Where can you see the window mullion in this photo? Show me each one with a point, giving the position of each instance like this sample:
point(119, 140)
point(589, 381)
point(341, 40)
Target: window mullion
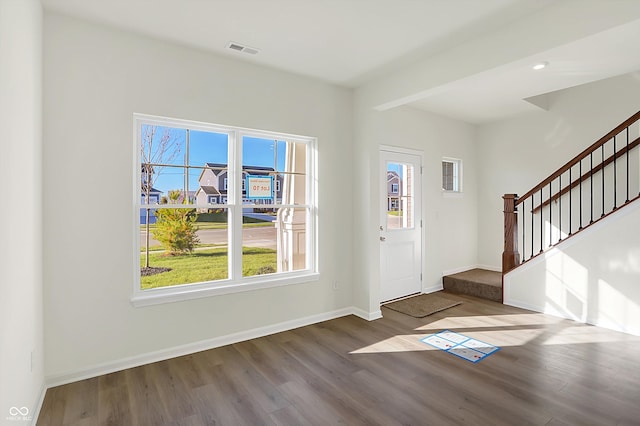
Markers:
point(235, 208)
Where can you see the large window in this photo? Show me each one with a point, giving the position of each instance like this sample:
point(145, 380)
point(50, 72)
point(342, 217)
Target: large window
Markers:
point(221, 209)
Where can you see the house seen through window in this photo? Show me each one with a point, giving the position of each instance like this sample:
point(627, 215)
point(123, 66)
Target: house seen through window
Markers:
point(222, 206)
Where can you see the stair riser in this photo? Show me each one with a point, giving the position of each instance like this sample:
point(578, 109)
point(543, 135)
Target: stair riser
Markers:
point(471, 288)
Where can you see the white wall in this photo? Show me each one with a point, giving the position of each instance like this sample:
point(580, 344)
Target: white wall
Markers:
point(592, 277)
point(517, 154)
point(450, 224)
point(95, 79)
point(21, 327)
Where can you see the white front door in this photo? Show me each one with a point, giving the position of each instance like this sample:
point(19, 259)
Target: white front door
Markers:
point(400, 224)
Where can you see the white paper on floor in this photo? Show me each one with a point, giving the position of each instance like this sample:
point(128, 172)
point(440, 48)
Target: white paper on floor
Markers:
point(460, 345)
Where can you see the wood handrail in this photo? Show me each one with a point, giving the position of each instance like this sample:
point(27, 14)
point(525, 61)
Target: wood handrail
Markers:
point(622, 152)
point(584, 154)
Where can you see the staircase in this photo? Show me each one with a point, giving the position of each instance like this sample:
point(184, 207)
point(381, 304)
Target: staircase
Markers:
point(593, 185)
point(475, 282)
point(596, 183)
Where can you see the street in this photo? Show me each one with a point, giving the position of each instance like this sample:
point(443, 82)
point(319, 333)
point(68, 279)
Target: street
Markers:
point(259, 236)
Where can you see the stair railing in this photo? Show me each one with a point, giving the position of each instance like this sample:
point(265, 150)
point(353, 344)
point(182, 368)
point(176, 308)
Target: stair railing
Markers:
point(594, 184)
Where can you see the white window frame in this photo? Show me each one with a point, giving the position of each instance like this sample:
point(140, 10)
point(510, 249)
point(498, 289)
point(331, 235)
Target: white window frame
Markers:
point(395, 188)
point(457, 176)
point(233, 202)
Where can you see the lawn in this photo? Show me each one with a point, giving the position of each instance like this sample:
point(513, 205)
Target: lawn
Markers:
point(204, 265)
point(218, 220)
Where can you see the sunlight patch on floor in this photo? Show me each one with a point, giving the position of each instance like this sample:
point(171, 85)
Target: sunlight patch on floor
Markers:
point(491, 321)
point(586, 334)
point(398, 343)
point(500, 330)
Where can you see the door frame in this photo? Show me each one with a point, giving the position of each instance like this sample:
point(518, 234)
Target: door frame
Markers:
point(420, 219)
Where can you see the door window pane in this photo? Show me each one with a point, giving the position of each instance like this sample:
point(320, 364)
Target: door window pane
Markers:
point(400, 196)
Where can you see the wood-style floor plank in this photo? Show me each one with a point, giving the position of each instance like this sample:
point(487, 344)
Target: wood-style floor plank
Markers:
point(548, 371)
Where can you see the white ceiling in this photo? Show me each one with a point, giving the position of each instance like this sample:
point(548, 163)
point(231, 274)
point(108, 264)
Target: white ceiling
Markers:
point(360, 42)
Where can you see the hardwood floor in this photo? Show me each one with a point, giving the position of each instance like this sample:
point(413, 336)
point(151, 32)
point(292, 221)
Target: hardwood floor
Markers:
point(349, 371)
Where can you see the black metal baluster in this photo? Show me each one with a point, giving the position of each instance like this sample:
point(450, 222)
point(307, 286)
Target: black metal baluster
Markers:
point(615, 175)
point(550, 217)
point(627, 200)
point(560, 208)
point(580, 170)
point(602, 172)
point(541, 227)
point(524, 247)
point(532, 229)
point(570, 192)
point(591, 179)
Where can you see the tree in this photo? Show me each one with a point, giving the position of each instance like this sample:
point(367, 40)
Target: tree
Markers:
point(158, 147)
point(175, 228)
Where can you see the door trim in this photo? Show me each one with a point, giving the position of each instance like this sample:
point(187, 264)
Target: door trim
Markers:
point(420, 219)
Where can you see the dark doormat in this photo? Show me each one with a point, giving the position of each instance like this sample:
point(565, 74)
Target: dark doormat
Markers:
point(422, 305)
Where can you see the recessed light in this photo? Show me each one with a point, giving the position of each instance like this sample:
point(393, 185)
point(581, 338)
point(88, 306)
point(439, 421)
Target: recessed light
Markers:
point(540, 65)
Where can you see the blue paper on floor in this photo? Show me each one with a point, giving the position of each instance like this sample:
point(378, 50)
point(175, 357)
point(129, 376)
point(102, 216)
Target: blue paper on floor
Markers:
point(460, 345)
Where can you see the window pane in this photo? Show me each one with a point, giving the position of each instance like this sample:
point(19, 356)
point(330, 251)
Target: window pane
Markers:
point(400, 196)
point(284, 161)
point(207, 147)
point(162, 145)
point(170, 234)
point(186, 187)
point(273, 241)
point(447, 176)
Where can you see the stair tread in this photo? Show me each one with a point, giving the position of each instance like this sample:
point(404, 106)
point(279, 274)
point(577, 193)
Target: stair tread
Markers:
point(475, 282)
point(481, 276)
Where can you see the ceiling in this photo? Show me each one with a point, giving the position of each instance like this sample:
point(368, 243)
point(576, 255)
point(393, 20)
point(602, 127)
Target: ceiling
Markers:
point(466, 59)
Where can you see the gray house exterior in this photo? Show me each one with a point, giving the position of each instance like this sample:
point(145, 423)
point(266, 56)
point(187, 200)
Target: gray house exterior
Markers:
point(213, 183)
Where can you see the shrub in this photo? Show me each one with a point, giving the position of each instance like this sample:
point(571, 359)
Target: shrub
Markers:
point(176, 231)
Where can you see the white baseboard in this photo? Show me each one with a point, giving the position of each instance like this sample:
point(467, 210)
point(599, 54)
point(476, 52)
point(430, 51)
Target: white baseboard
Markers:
point(163, 354)
point(36, 412)
point(490, 268)
point(560, 314)
point(432, 289)
point(369, 316)
point(466, 268)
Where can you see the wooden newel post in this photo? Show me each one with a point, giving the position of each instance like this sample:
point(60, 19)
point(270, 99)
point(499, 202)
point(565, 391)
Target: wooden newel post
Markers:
point(510, 255)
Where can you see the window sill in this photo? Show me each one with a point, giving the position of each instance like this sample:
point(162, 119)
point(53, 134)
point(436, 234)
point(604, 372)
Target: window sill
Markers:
point(196, 291)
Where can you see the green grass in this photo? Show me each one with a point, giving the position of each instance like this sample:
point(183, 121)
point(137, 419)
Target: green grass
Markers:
point(394, 213)
point(204, 265)
point(160, 248)
point(218, 220)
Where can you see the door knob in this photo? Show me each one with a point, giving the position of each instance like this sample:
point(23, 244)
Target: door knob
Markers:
point(382, 238)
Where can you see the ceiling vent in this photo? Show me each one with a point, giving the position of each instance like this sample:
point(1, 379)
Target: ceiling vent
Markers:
point(242, 48)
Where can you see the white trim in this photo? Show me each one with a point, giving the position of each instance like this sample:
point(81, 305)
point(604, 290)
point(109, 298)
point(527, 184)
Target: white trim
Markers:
point(234, 181)
point(189, 348)
point(36, 411)
point(433, 288)
point(184, 292)
point(467, 268)
point(457, 175)
point(369, 316)
point(383, 203)
point(564, 314)
point(490, 268)
point(396, 149)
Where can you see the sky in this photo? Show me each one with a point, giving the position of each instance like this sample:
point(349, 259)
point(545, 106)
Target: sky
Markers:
point(207, 147)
